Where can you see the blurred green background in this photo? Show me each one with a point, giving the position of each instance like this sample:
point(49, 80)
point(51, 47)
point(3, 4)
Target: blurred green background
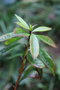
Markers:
point(40, 12)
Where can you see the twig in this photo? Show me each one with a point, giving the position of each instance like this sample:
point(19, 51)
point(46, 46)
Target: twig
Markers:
point(21, 69)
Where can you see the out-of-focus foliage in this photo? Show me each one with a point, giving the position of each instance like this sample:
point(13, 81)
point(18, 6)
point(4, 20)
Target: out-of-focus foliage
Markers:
point(41, 12)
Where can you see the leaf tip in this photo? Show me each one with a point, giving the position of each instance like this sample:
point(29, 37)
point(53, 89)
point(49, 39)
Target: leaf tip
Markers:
point(15, 15)
point(54, 45)
point(49, 28)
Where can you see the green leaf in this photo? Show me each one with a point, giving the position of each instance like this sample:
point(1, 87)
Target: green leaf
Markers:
point(31, 27)
point(47, 40)
point(13, 56)
point(34, 46)
point(19, 30)
point(36, 62)
point(12, 35)
point(47, 60)
point(7, 36)
point(21, 22)
point(27, 71)
point(41, 29)
point(22, 35)
point(12, 40)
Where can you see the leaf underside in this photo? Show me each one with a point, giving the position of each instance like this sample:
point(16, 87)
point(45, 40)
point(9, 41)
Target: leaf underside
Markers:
point(36, 62)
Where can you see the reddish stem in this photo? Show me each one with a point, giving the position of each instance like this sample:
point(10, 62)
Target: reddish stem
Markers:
point(21, 69)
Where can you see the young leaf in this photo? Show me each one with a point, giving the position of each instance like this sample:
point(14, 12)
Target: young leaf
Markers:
point(45, 58)
point(41, 29)
point(21, 25)
point(34, 46)
point(47, 40)
point(22, 22)
point(36, 62)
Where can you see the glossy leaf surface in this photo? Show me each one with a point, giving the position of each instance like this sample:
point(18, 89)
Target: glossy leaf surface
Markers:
point(22, 22)
point(41, 29)
point(47, 40)
point(7, 36)
point(34, 46)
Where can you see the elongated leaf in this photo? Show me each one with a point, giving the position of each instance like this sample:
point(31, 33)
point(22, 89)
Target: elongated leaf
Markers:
point(47, 40)
point(13, 56)
point(11, 35)
point(19, 30)
point(12, 40)
point(7, 36)
point(22, 22)
point(22, 26)
point(45, 58)
point(41, 29)
point(27, 71)
point(34, 46)
point(36, 62)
